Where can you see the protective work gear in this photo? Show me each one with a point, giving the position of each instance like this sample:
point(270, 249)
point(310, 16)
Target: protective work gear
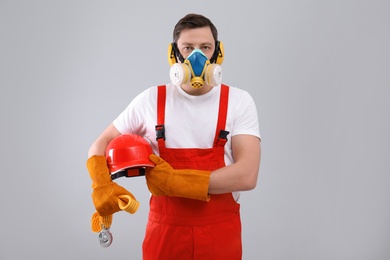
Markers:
point(128, 151)
point(108, 197)
point(196, 70)
point(182, 228)
point(163, 180)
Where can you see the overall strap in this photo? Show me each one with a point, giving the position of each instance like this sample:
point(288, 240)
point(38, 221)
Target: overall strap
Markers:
point(221, 134)
point(160, 129)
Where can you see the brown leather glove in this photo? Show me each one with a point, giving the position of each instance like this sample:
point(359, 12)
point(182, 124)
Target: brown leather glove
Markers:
point(163, 180)
point(97, 222)
point(108, 197)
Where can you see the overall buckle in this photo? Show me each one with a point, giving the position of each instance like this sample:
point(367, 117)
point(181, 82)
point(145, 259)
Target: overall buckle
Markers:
point(160, 132)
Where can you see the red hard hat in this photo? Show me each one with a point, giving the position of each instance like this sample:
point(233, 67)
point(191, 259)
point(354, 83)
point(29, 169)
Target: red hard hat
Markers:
point(128, 151)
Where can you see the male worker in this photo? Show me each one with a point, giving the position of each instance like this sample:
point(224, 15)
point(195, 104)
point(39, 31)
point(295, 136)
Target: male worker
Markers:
point(206, 142)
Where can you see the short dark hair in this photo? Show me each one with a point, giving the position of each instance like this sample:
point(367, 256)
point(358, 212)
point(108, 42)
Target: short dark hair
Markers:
point(192, 21)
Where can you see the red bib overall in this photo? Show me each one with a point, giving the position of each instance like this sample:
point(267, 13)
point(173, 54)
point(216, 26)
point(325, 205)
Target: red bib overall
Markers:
point(181, 228)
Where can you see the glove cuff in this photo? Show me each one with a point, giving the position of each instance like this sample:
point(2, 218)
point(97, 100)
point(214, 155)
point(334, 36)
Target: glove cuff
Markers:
point(98, 170)
point(192, 184)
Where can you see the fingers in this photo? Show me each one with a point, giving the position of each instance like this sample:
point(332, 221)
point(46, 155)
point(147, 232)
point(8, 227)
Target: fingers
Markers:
point(155, 159)
point(97, 221)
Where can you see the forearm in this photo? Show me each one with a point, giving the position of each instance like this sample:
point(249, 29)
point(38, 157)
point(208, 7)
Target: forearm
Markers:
point(233, 178)
point(99, 146)
point(242, 174)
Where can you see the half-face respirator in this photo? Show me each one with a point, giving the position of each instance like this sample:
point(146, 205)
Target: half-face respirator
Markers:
point(196, 69)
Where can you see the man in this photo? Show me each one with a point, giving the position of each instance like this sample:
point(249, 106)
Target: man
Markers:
point(206, 141)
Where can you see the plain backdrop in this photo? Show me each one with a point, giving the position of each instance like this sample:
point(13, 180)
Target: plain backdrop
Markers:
point(319, 72)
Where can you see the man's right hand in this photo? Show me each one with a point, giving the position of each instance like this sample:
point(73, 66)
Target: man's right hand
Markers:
point(108, 197)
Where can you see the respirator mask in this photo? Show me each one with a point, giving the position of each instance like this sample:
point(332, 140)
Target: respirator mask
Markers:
point(196, 69)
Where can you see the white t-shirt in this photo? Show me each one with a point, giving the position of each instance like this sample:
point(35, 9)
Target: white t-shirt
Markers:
point(190, 121)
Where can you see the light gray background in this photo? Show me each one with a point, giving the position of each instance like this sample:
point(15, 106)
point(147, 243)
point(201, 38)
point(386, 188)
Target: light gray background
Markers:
point(319, 72)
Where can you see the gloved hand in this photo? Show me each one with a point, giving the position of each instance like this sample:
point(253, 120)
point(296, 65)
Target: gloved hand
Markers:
point(97, 222)
point(108, 197)
point(163, 180)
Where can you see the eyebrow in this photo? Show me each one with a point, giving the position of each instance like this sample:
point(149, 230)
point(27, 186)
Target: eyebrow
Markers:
point(202, 44)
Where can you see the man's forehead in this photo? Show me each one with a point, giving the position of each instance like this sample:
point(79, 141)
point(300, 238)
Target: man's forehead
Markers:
point(196, 35)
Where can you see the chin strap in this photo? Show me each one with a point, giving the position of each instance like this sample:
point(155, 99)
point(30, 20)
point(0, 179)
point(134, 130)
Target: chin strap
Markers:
point(128, 173)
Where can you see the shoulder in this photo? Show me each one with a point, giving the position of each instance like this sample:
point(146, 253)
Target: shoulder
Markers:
point(148, 95)
point(169, 88)
point(238, 95)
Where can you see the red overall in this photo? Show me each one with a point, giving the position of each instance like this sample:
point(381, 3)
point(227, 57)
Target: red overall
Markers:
point(181, 228)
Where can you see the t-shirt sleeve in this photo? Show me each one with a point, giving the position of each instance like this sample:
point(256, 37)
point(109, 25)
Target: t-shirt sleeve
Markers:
point(132, 119)
point(245, 117)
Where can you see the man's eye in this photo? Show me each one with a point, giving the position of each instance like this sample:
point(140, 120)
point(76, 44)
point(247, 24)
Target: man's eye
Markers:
point(206, 48)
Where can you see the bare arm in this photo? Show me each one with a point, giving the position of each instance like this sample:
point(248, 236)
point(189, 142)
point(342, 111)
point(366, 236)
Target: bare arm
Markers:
point(242, 174)
point(99, 146)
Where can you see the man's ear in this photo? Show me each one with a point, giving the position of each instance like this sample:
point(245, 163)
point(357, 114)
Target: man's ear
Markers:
point(174, 54)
